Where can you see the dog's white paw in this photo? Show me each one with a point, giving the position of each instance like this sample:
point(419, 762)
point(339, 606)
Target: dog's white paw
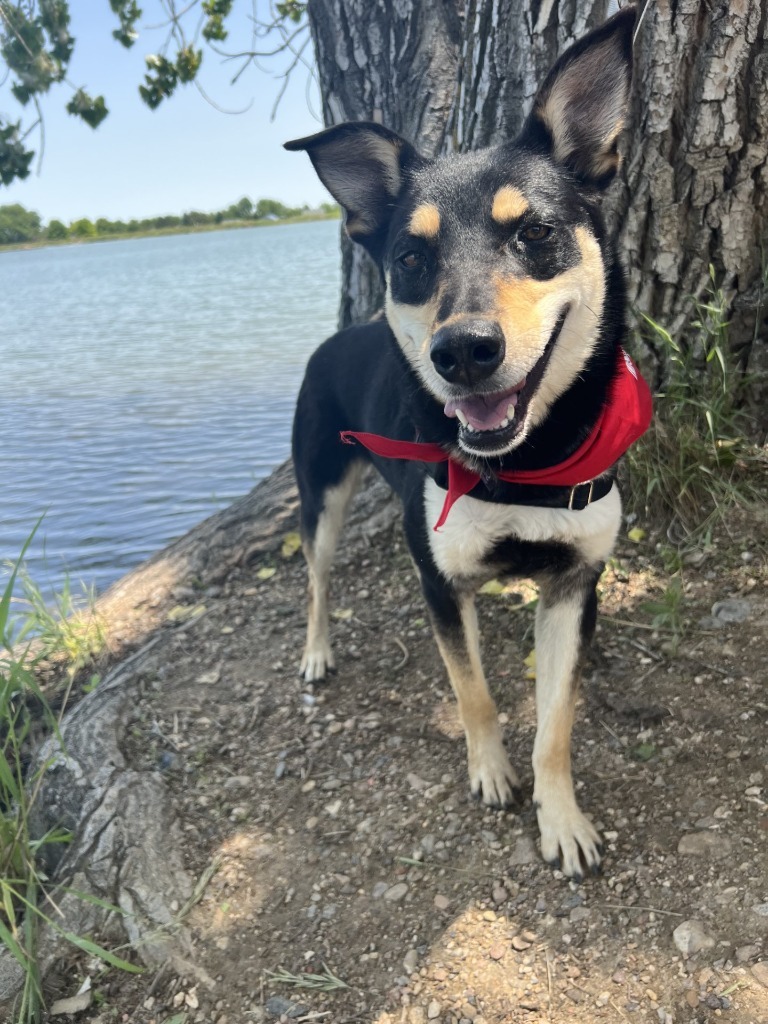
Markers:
point(569, 840)
point(316, 663)
point(492, 778)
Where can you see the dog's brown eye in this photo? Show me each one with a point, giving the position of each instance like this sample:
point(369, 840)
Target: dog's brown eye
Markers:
point(412, 260)
point(535, 232)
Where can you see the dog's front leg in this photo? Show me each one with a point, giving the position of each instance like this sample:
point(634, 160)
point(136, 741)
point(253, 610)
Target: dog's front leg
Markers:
point(565, 619)
point(492, 778)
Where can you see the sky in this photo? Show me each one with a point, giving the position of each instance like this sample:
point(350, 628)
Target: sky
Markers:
point(184, 155)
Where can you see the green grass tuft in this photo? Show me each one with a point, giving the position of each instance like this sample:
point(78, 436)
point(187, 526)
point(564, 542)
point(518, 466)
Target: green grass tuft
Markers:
point(696, 463)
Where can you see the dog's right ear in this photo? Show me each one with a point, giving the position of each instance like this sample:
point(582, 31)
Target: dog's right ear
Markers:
point(362, 165)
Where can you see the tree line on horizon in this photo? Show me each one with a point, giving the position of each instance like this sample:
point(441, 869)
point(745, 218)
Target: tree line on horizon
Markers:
point(19, 225)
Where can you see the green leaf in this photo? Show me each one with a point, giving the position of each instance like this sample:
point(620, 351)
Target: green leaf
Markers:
point(103, 954)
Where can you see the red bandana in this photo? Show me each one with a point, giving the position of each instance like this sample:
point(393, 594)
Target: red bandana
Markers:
point(625, 417)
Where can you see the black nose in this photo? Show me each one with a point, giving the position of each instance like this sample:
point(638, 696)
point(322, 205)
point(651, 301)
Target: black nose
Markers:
point(467, 352)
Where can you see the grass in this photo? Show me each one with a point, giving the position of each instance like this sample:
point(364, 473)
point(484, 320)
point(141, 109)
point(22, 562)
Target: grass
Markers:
point(27, 899)
point(696, 462)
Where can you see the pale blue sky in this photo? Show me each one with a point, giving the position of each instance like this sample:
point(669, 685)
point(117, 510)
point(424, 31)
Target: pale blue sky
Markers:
point(184, 155)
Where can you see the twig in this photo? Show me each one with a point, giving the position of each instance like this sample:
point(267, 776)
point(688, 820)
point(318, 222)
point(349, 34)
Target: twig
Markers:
point(636, 906)
point(406, 655)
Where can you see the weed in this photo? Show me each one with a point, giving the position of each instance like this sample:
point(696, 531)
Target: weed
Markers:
point(325, 982)
point(26, 901)
point(63, 629)
point(667, 610)
point(696, 462)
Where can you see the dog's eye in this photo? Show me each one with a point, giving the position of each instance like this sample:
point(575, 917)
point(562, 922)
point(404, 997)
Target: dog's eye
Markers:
point(412, 260)
point(535, 232)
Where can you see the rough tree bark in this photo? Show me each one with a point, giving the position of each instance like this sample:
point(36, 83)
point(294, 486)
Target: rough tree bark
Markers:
point(460, 74)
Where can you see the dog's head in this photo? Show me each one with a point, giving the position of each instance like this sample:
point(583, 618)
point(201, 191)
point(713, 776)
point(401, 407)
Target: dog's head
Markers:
point(494, 261)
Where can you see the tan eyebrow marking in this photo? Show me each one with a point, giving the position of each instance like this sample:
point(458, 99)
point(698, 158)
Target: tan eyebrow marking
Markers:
point(509, 203)
point(425, 221)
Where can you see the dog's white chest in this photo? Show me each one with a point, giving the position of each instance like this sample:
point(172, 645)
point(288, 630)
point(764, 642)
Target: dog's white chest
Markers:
point(474, 527)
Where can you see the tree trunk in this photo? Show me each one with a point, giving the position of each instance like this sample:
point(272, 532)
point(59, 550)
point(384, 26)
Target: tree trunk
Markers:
point(695, 183)
point(461, 74)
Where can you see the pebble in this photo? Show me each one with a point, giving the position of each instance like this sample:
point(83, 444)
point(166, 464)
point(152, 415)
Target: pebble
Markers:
point(279, 1007)
point(499, 894)
point(441, 902)
point(705, 844)
point(519, 943)
point(761, 909)
point(410, 960)
point(433, 1010)
point(690, 938)
point(745, 953)
point(760, 972)
point(733, 609)
point(416, 1015)
point(497, 951)
point(379, 889)
point(524, 852)
point(396, 892)
point(238, 782)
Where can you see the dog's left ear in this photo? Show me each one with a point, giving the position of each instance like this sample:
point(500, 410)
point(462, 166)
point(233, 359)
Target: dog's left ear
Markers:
point(579, 111)
point(362, 164)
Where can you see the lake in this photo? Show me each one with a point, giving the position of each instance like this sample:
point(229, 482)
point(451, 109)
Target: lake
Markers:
point(147, 383)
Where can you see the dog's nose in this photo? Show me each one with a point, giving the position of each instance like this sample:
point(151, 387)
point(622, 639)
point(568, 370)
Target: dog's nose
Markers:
point(467, 352)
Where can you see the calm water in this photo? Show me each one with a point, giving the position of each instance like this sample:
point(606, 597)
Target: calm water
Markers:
point(146, 383)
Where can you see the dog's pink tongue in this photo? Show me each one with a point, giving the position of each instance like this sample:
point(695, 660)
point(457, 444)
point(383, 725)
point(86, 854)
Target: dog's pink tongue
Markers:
point(483, 412)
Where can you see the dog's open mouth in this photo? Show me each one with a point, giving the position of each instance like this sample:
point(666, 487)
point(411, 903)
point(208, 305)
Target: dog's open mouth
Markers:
point(487, 422)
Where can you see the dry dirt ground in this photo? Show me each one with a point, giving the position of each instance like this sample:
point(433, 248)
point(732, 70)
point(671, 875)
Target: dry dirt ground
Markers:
point(338, 821)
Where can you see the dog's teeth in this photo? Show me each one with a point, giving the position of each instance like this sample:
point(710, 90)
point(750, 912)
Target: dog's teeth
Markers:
point(462, 419)
point(504, 423)
point(511, 411)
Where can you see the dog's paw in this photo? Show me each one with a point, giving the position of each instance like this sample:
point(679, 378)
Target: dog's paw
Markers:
point(492, 778)
point(569, 840)
point(316, 663)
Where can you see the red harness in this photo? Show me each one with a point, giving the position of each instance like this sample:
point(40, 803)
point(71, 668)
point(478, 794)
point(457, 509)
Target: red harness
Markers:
point(625, 416)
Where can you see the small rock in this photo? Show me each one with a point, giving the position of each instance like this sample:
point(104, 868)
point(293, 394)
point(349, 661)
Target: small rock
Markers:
point(761, 909)
point(745, 953)
point(733, 609)
point(497, 951)
point(433, 1010)
point(417, 783)
point(410, 960)
point(760, 972)
point(416, 1015)
point(499, 894)
point(519, 943)
point(441, 902)
point(705, 844)
point(396, 892)
point(690, 938)
point(379, 889)
point(524, 852)
point(279, 1007)
point(238, 782)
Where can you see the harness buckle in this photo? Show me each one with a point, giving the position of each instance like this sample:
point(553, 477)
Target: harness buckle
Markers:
point(572, 496)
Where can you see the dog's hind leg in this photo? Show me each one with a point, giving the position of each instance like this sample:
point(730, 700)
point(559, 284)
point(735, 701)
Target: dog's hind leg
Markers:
point(492, 778)
point(565, 620)
point(320, 534)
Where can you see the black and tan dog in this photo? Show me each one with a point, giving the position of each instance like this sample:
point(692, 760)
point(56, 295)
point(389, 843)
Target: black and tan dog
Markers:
point(495, 397)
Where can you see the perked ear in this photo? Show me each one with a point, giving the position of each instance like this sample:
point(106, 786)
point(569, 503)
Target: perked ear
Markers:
point(362, 165)
point(579, 111)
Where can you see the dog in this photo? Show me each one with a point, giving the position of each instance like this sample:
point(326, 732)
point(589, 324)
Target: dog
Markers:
point(494, 396)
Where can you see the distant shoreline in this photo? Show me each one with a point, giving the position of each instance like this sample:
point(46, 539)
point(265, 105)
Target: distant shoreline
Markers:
point(182, 229)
